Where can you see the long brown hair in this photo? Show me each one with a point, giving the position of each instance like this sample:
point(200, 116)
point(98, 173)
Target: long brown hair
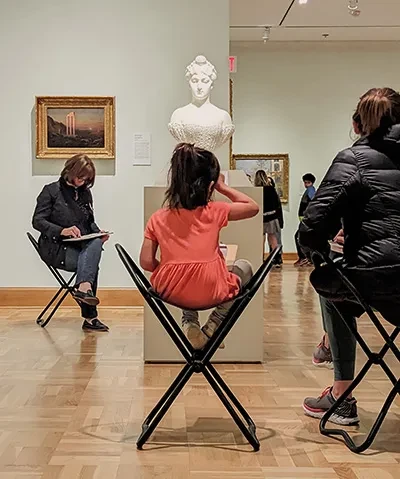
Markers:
point(79, 166)
point(262, 179)
point(377, 110)
point(191, 176)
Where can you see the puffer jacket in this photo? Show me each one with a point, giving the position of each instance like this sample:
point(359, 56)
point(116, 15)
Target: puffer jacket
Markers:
point(362, 188)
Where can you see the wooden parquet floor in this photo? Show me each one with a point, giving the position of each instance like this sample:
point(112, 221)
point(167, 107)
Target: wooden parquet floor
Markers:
point(71, 404)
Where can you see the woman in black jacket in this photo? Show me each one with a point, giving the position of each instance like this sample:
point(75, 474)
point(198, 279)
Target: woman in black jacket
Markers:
point(361, 188)
point(272, 210)
point(64, 210)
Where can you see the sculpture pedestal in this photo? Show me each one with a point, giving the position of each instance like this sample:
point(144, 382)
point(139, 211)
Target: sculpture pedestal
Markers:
point(245, 342)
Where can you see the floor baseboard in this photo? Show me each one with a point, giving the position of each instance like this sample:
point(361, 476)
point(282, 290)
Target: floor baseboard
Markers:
point(39, 297)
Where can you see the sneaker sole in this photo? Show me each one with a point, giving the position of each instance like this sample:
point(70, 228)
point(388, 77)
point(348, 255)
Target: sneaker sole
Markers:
point(335, 419)
point(324, 364)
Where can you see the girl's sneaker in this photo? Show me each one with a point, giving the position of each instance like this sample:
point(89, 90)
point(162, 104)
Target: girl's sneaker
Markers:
point(345, 415)
point(195, 335)
point(209, 330)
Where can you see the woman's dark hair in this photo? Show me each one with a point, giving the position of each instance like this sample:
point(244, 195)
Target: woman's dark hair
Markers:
point(79, 166)
point(192, 172)
point(378, 109)
point(309, 177)
point(261, 179)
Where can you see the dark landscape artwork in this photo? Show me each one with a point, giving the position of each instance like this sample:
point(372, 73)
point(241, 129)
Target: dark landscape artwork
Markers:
point(75, 128)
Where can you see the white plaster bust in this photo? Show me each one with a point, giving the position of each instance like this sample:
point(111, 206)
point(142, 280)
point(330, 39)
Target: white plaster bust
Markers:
point(200, 122)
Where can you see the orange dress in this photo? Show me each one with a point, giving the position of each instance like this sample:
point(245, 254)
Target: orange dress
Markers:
point(192, 271)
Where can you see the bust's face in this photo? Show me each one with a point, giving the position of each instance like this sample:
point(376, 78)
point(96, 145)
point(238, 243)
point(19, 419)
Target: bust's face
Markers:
point(201, 86)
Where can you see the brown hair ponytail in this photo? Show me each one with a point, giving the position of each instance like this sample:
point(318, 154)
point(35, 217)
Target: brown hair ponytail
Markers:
point(191, 173)
point(378, 109)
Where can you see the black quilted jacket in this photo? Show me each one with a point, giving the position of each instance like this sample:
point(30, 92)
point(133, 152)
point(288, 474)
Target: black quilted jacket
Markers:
point(55, 211)
point(362, 188)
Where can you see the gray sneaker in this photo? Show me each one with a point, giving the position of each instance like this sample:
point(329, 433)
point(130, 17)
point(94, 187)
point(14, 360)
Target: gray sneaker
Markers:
point(322, 356)
point(345, 415)
point(195, 335)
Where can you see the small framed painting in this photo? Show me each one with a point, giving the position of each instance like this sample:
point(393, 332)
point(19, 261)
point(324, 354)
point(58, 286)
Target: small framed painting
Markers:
point(66, 126)
point(276, 166)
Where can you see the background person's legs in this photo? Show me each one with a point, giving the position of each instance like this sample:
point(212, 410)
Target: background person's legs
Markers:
point(278, 260)
point(301, 256)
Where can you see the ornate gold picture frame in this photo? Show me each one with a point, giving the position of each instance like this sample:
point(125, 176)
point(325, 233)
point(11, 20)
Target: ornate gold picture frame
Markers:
point(276, 166)
point(68, 125)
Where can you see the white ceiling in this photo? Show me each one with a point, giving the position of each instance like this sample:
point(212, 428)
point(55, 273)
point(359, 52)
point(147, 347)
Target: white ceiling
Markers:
point(379, 20)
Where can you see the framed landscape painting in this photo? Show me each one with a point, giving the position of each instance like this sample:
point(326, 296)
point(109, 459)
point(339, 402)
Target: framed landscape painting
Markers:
point(66, 126)
point(276, 166)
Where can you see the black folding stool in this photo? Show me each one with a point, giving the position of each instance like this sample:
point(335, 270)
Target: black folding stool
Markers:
point(197, 361)
point(373, 359)
point(65, 289)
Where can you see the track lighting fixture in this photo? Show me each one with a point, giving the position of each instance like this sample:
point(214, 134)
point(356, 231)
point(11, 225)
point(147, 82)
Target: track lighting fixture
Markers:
point(266, 35)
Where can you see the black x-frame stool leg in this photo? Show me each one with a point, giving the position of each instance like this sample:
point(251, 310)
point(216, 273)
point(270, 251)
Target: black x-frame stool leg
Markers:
point(66, 287)
point(373, 359)
point(198, 362)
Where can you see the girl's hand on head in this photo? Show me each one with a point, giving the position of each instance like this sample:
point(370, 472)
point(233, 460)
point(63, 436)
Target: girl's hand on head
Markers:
point(220, 183)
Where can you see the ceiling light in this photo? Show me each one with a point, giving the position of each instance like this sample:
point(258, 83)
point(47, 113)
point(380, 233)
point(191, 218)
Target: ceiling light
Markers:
point(266, 35)
point(302, 2)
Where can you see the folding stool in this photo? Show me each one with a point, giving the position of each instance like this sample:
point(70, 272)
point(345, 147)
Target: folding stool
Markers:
point(374, 358)
point(66, 287)
point(198, 361)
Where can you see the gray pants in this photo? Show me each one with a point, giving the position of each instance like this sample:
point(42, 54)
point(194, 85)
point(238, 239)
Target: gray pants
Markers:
point(341, 340)
point(244, 271)
point(85, 261)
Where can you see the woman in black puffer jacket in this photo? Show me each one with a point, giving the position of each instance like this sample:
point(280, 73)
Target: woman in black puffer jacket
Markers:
point(361, 188)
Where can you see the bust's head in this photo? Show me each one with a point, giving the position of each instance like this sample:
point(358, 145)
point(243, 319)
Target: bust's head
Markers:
point(201, 75)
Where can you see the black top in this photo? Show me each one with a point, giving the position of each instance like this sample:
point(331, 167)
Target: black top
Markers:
point(304, 202)
point(272, 204)
point(362, 187)
point(60, 206)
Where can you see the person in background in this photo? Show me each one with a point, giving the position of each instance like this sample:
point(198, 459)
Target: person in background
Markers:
point(64, 209)
point(278, 260)
point(192, 272)
point(272, 210)
point(361, 189)
point(308, 180)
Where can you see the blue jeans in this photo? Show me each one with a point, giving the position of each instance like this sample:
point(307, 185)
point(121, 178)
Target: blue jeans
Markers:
point(85, 260)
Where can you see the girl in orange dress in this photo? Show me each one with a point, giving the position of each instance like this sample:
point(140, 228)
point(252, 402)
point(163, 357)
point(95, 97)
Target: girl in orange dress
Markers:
point(192, 272)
